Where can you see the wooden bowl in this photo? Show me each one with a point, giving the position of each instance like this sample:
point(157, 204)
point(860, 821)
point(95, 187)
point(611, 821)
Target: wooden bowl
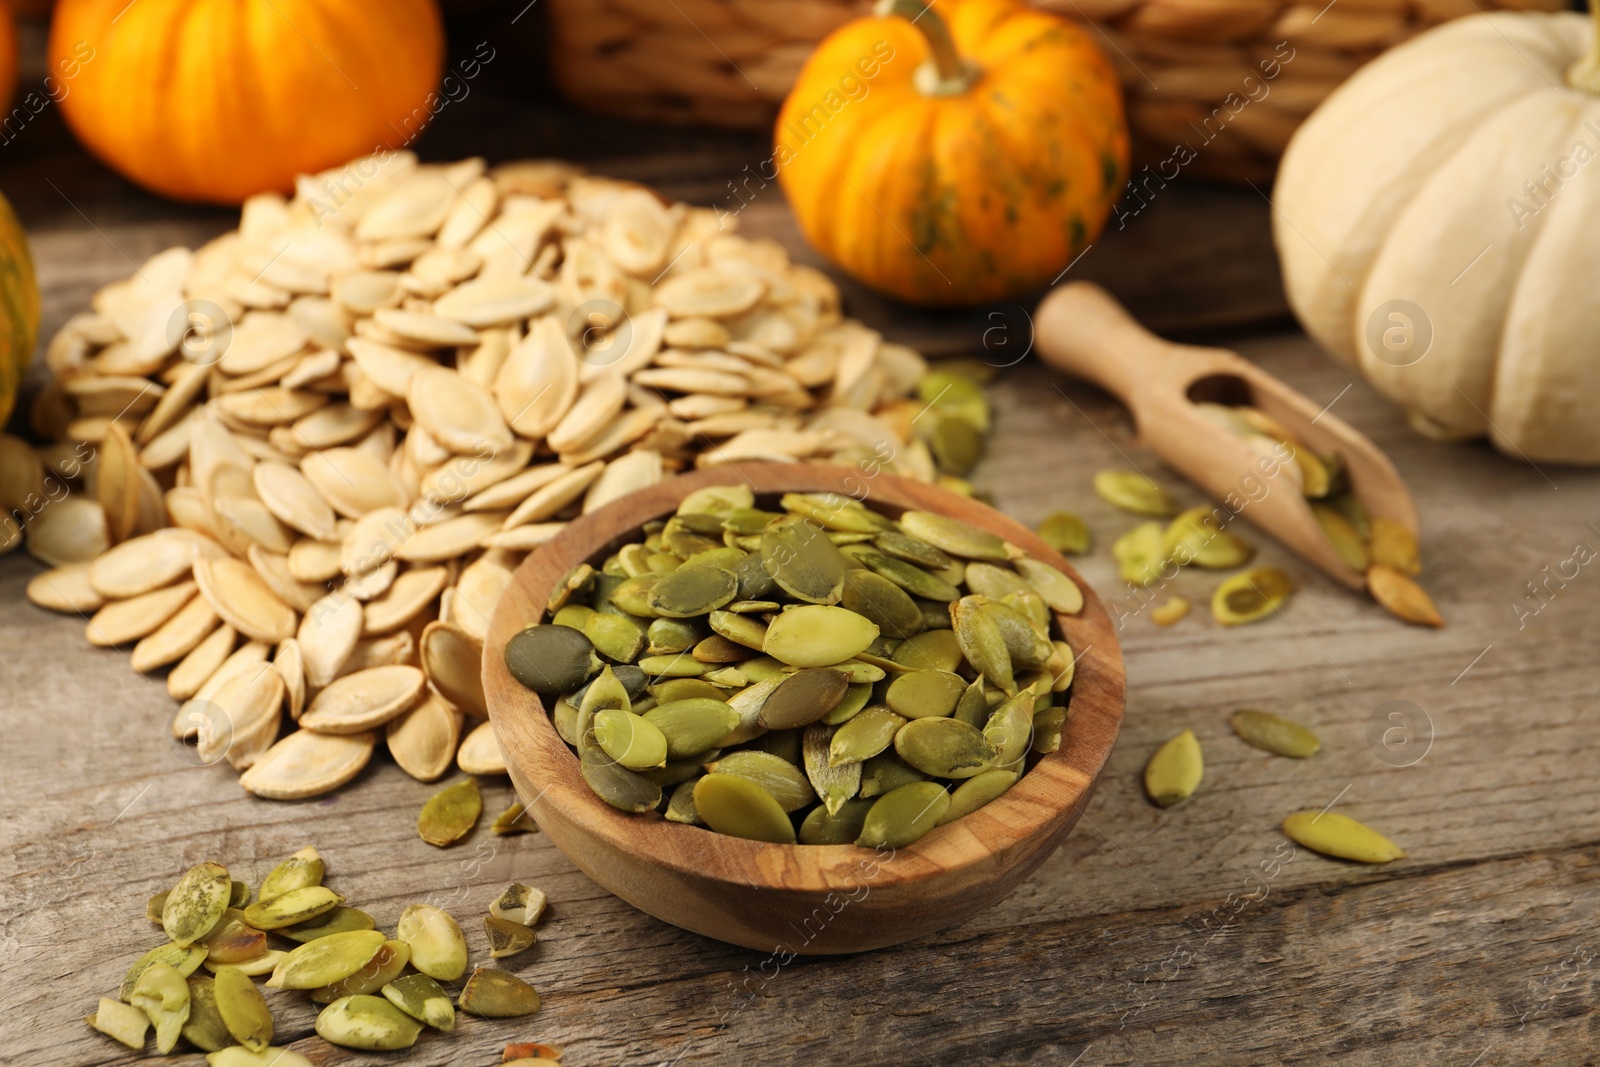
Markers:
point(799, 899)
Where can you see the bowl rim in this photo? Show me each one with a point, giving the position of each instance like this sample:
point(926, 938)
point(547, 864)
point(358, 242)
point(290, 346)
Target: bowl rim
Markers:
point(1047, 797)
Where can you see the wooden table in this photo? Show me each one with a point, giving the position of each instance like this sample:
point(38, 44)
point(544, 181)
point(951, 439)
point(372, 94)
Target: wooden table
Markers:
point(1195, 935)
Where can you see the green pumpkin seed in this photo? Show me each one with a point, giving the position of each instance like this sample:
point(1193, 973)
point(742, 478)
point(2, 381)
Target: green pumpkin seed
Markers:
point(691, 591)
point(292, 907)
point(858, 671)
point(680, 805)
point(1197, 537)
point(1066, 533)
point(678, 771)
point(903, 815)
point(885, 773)
point(748, 522)
point(834, 512)
point(233, 940)
point(756, 586)
point(630, 739)
point(368, 1023)
point(834, 785)
point(910, 577)
point(954, 537)
point(449, 815)
point(424, 1000)
point(185, 959)
point(1354, 510)
point(1032, 607)
point(1268, 732)
point(882, 602)
point(784, 781)
point(1010, 729)
point(956, 444)
point(327, 960)
point(1352, 548)
point(573, 616)
point(911, 549)
point(982, 643)
point(336, 920)
point(864, 736)
point(718, 650)
point(692, 726)
point(1132, 491)
point(271, 1056)
point(565, 718)
point(803, 698)
point(574, 583)
point(815, 635)
point(633, 595)
point(1393, 545)
point(263, 964)
point(1340, 836)
point(977, 791)
point(520, 904)
point(856, 696)
point(741, 808)
point(727, 678)
point(204, 1028)
point(802, 561)
point(1047, 726)
point(994, 582)
point(551, 659)
point(243, 1009)
point(163, 995)
point(438, 948)
point(1026, 646)
point(761, 668)
point(729, 559)
point(944, 748)
point(973, 707)
point(841, 827)
point(921, 694)
point(935, 615)
point(1059, 591)
point(121, 1022)
point(741, 629)
point(785, 744)
point(506, 938)
point(717, 500)
point(155, 905)
point(1174, 771)
point(496, 994)
point(616, 637)
point(514, 820)
point(680, 666)
point(1140, 554)
point(667, 637)
point(1251, 596)
point(238, 895)
point(617, 786)
point(934, 650)
point(195, 904)
point(384, 967)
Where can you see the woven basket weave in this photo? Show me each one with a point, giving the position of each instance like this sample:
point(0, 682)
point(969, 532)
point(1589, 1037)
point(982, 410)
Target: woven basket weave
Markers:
point(1229, 79)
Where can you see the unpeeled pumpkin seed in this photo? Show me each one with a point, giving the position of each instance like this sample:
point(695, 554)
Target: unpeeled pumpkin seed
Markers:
point(367, 1022)
point(450, 814)
point(903, 815)
point(1340, 836)
point(739, 807)
point(424, 1000)
point(1402, 597)
point(506, 938)
point(496, 994)
point(244, 1011)
point(438, 948)
point(1270, 733)
point(1174, 771)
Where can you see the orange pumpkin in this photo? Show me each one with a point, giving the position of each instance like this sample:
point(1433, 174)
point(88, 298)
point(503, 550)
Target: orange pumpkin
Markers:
point(220, 99)
point(953, 162)
point(19, 308)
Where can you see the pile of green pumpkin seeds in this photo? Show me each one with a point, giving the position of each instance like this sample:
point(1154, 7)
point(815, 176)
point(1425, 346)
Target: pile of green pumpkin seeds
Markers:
point(809, 670)
point(339, 958)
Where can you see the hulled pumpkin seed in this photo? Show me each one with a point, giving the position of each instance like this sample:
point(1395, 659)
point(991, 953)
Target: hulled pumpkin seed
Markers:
point(680, 805)
point(336, 920)
point(263, 964)
point(1270, 733)
point(741, 808)
point(803, 698)
point(842, 827)
point(1174, 771)
point(911, 549)
point(982, 643)
point(1251, 596)
point(1010, 729)
point(506, 938)
point(291, 907)
point(520, 904)
point(785, 782)
point(1140, 554)
point(514, 820)
point(204, 1028)
point(921, 694)
point(993, 581)
point(195, 904)
point(934, 650)
point(834, 512)
point(163, 995)
point(449, 815)
point(551, 659)
point(633, 741)
point(616, 785)
point(496, 994)
point(233, 940)
point(616, 637)
point(946, 748)
point(855, 698)
point(1170, 612)
point(882, 602)
point(815, 635)
point(326, 960)
point(802, 561)
point(121, 1022)
point(271, 1056)
point(384, 967)
point(692, 726)
point(424, 1000)
point(910, 577)
point(1394, 545)
point(1402, 597)
point(691, 591)
point(1340, 836)
point(1197, 536)
point(438, 948)
point(864, 736)
point(367, 1022)
point(977, 791)
point(954, 537)
point(903, 815)
point(885, 773)
point(1058, 591)
point(1132, 491)
point(1047, 726)
point(1065, 532)
point(1350, 545)
point(185, 959)
point(243, 1009)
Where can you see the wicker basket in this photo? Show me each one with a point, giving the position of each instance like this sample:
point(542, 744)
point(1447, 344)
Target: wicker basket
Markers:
point(1196, 71)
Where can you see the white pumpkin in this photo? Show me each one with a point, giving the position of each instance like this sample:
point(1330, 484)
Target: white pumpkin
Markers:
point(1438, 222)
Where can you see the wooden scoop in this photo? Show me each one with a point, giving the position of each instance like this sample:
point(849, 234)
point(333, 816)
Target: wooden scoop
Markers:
point(1080, 329)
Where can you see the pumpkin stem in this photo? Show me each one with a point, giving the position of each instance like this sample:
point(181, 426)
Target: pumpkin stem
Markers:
point(1585, 73)
point(948, 74)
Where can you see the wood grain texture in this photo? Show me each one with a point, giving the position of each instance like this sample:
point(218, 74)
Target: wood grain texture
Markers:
point(799, 899)
point(1149, 937)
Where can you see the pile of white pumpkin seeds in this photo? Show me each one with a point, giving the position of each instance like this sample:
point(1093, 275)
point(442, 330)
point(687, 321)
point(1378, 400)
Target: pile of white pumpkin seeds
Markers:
point(380, 993)
point(296, 467)
point(807, 670)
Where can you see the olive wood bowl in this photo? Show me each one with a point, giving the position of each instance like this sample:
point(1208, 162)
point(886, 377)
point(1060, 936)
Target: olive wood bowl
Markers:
point(799, 899)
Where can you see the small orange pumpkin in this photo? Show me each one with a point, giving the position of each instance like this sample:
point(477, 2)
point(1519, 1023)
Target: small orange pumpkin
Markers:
point(219, 99)
point(953, 162)
point(19, 309)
